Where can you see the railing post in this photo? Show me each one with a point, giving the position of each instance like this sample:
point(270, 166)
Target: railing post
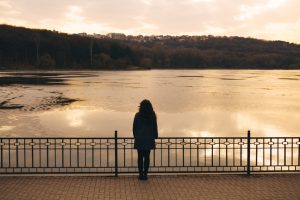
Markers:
point(116, 153)
point(248, 153)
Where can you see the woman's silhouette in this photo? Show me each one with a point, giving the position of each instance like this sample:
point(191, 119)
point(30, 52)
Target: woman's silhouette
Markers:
point(144, 132)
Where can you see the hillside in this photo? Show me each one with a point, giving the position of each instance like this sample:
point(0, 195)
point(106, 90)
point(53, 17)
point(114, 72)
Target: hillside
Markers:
point(23, 48)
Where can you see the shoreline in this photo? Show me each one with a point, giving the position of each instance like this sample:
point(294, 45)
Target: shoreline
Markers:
point(145, 69)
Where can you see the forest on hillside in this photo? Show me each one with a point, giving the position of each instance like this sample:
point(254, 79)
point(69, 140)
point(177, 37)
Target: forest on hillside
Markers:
point(23, 48)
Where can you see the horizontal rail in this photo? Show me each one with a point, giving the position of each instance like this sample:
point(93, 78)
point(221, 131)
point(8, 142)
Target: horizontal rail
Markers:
point(132, 137)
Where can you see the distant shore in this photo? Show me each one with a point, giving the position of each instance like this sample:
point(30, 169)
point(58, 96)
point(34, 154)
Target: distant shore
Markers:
point(31, 49)
point(134, 69)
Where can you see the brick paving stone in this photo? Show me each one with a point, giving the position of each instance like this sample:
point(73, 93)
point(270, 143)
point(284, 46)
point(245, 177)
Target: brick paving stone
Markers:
point(158, 187)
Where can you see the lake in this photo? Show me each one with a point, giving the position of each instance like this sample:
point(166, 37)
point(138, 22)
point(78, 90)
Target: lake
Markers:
point(200, 103)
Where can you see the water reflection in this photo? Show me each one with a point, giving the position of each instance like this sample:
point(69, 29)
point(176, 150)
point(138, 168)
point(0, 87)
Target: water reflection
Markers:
point(100, 122)
point(187, 102)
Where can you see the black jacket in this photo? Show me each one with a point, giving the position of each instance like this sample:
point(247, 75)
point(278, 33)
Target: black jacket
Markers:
point(144, 132)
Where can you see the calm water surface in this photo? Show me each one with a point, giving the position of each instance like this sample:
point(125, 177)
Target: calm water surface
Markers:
point(187, 102)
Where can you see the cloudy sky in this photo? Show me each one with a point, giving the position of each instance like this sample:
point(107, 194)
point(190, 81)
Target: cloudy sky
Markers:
point(265, 19)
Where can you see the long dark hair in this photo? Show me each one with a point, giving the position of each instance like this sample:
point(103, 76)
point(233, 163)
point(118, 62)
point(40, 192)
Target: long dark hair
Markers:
point(146, 110)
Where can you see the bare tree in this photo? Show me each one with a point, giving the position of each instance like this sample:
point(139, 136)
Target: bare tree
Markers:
point(91, 50)
point(37, 41)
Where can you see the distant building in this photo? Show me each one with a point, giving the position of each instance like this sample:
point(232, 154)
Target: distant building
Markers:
point(82, 34)
point(117, 36)
point(99, 36)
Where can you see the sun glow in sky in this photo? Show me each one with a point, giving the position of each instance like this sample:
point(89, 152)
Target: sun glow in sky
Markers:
point(265, 19)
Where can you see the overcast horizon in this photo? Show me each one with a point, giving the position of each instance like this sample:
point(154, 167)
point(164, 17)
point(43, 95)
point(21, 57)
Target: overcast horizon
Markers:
point(264, 19)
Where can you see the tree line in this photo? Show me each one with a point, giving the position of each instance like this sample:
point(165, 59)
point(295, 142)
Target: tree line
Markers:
point(23, 48)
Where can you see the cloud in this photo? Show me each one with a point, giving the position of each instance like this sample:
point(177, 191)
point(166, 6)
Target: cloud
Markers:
point(147, 2)
point(200, 1)
point(5, 4)
point(266, 19)
point(74, 13)
point(248, 12)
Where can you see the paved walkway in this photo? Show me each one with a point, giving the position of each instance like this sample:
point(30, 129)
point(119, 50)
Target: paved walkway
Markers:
point(285, 186)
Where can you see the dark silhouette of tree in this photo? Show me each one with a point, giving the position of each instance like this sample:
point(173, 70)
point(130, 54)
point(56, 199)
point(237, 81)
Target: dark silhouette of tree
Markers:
point(37, 46)
point(47, 61)
point(22, 48)
point(91, 50)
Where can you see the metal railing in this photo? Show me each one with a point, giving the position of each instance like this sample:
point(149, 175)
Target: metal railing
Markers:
point(116, 155)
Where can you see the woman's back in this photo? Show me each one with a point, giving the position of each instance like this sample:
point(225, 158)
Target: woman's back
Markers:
point(144, 127)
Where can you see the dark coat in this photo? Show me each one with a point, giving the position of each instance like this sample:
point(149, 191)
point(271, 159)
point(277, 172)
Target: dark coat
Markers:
point(144, 132)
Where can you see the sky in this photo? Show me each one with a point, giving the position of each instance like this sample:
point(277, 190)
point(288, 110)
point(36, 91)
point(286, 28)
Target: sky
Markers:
point(263, 19)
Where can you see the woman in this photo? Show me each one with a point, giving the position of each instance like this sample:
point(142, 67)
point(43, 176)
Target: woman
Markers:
point(144, 132)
